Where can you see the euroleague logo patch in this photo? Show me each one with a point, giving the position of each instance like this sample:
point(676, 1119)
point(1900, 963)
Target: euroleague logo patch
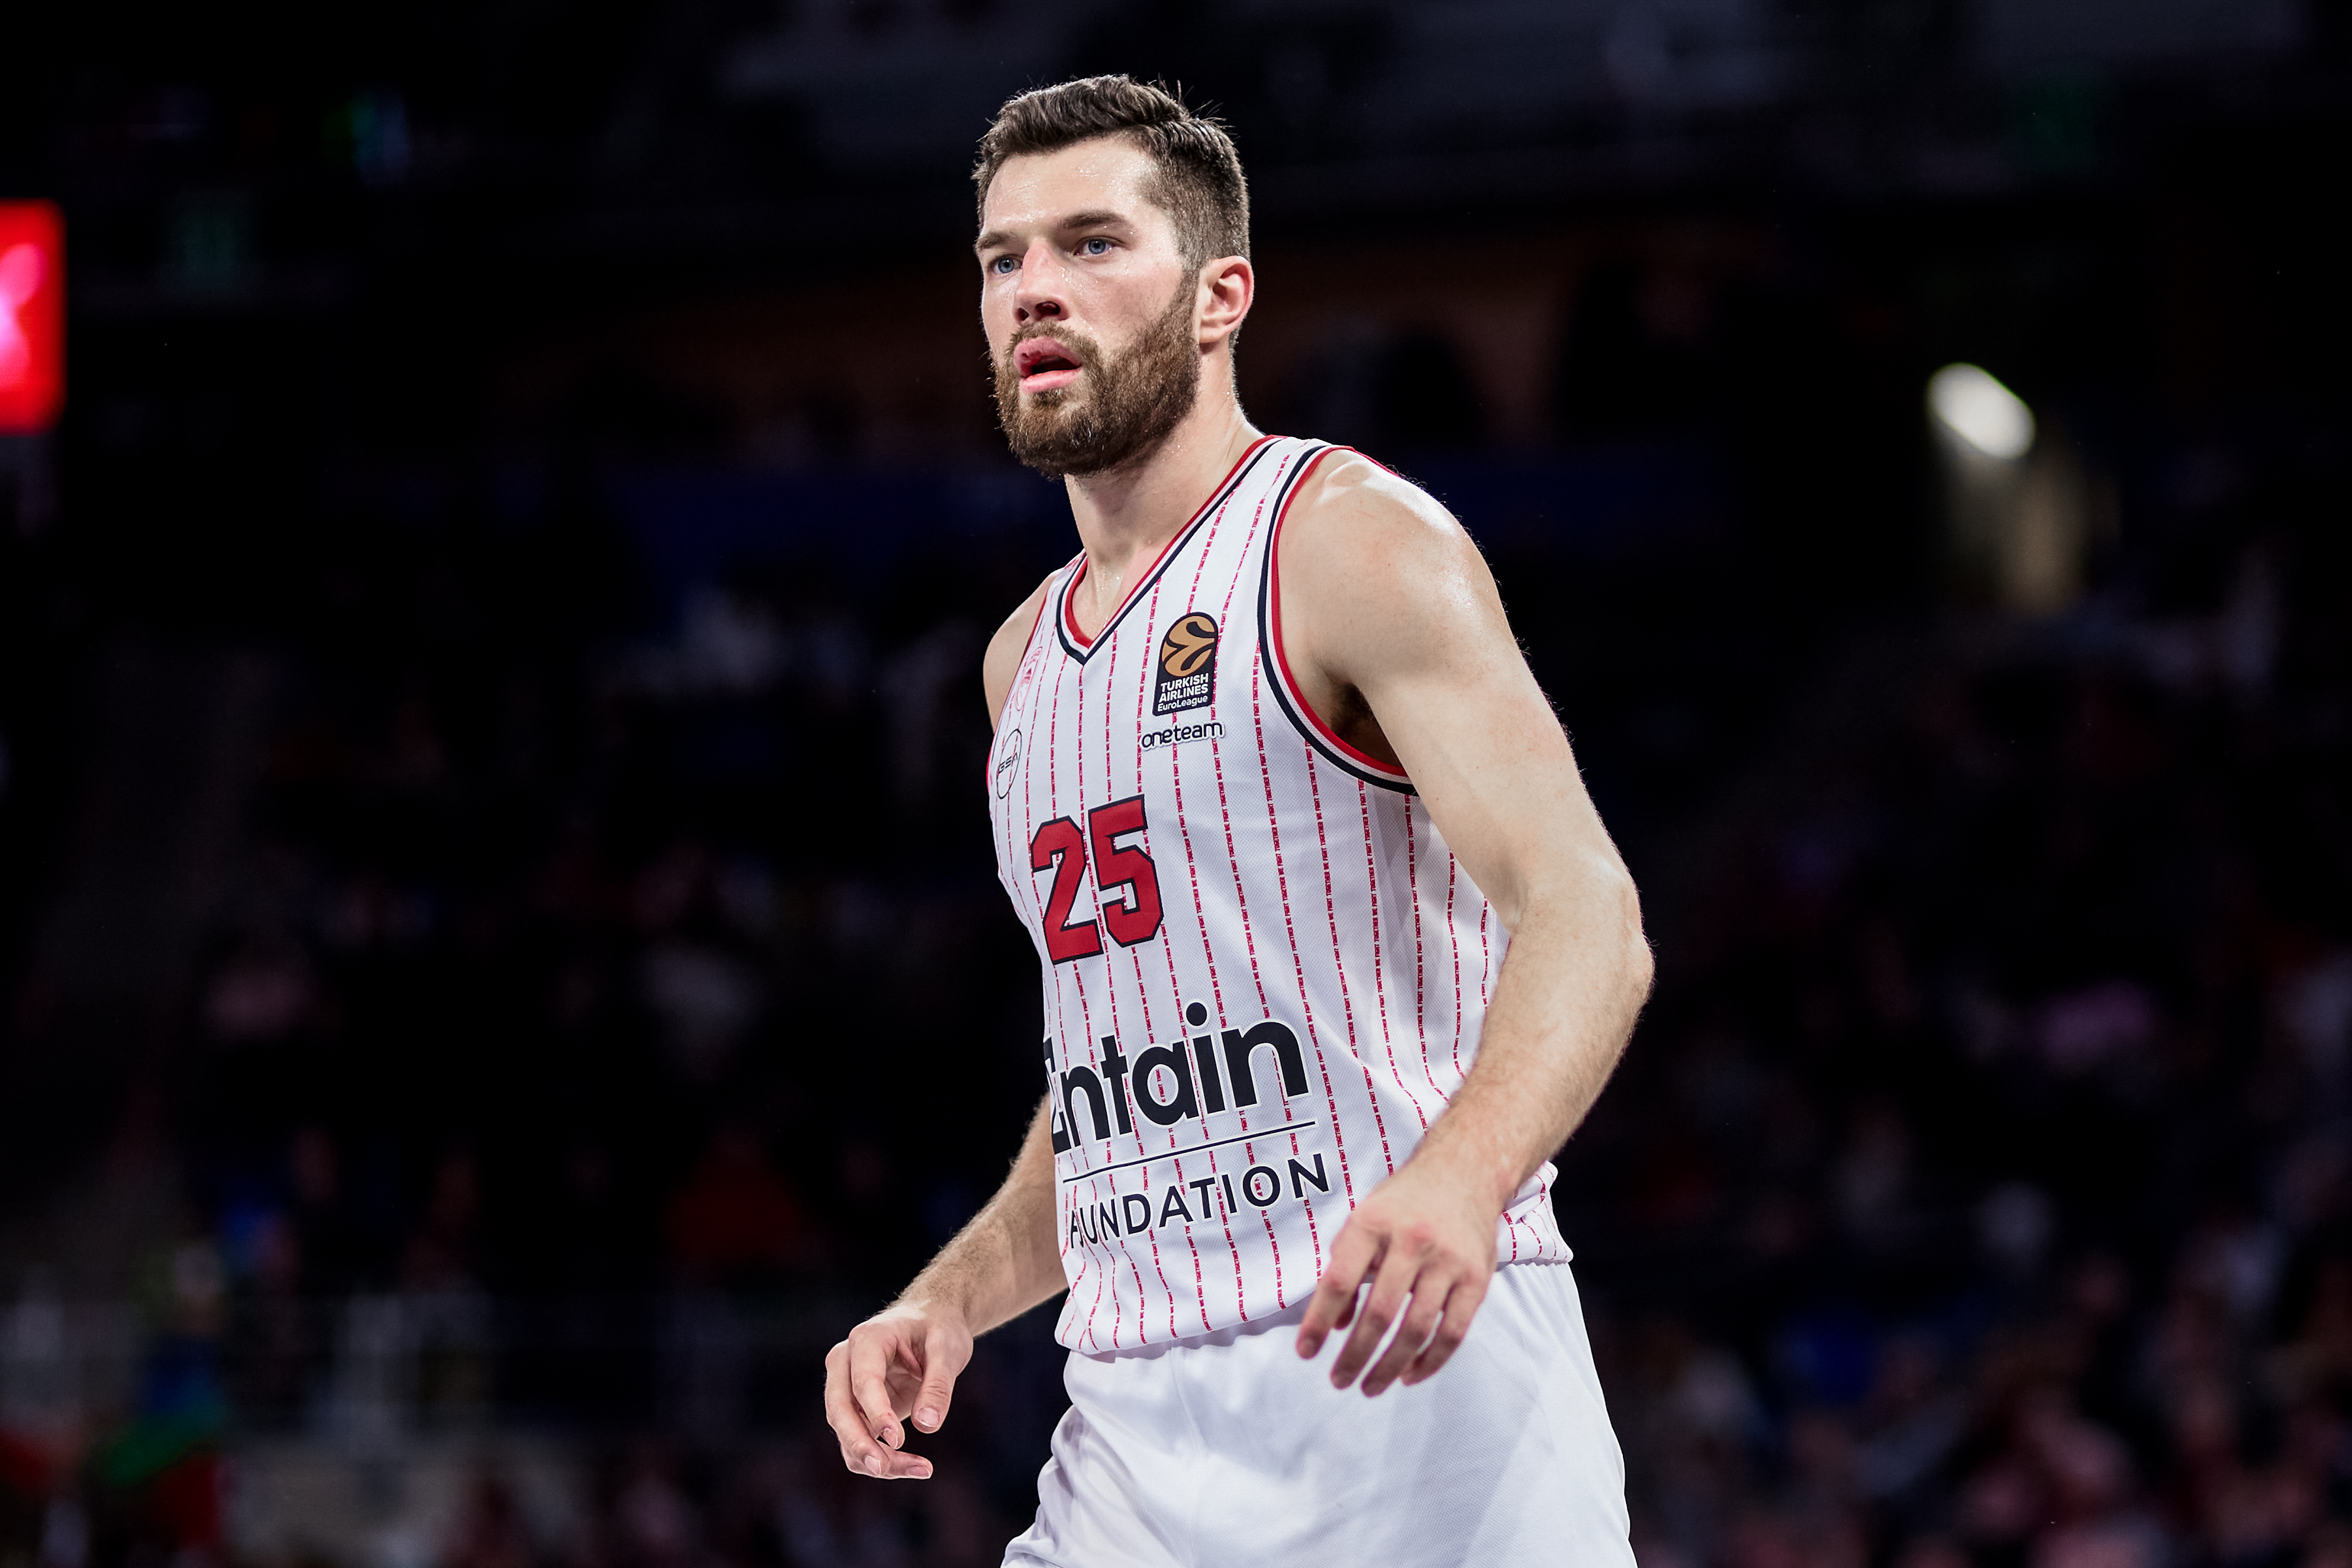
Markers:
point(1188, 665)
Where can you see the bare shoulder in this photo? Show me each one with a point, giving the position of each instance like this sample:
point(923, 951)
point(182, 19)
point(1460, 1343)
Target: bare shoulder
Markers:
point(1361, 537)
point(1001, 662)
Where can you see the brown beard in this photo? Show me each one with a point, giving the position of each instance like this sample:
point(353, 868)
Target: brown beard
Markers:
point(1133, 400)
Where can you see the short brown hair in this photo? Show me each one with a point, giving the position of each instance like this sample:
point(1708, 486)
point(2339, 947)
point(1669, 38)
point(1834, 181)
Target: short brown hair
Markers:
point(1200, 184)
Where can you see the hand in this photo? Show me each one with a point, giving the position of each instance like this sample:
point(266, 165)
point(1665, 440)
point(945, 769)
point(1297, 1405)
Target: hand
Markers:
point(1420, 1236)
point(903, 1361)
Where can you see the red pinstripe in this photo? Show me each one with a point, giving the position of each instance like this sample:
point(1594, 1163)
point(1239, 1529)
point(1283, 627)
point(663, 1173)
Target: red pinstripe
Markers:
point(1085, 1010)
point(1412, 897)
point(1454, 938)
point(1486, 957)
point(1060, 1022)
point(1340, 967)
point(1281, 885)
point(1208, 952)
point(1029, 831)
point(1420, 955)
point(1485, 970)
point(1379, 975)
point(1110, 792)
point(1094, 1182)
point(1290, 932)
point(1110, 1000)
point(1102, 1281)
point(1249, 937)
point(1233, 866)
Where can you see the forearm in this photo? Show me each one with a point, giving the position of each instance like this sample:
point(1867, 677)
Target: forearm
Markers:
point(1005, 1261)
point(1572, 986)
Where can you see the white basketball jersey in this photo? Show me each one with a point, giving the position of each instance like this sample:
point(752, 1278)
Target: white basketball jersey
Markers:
point(1264, 972)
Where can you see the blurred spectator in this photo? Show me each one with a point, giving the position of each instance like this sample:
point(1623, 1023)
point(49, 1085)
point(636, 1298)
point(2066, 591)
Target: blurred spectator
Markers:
point(492, 1533)
point(734, 1215)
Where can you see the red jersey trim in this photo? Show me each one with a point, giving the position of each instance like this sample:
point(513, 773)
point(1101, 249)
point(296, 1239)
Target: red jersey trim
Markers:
point(1076, 643)
point(1287, 696)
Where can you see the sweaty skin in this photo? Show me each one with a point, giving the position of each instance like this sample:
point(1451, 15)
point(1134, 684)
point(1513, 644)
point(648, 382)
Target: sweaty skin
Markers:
point(1391, 624)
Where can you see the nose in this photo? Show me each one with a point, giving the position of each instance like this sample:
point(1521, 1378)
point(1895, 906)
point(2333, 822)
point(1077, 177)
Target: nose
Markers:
point(1041, 296)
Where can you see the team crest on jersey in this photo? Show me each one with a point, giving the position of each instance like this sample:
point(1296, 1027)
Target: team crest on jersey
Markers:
point(1188, 665)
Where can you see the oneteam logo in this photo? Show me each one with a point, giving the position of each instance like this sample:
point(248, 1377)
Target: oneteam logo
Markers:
point(1188, 665)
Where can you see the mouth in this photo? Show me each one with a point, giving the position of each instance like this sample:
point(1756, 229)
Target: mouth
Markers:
point(1045, 365)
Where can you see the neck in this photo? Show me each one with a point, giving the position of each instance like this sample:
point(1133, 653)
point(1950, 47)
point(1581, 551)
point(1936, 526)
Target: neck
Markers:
point(1126, 515)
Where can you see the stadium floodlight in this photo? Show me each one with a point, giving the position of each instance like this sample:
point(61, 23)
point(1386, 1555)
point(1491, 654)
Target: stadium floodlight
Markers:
point(1985, 415)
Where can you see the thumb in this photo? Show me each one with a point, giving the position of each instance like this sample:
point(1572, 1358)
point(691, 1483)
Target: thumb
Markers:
point(940, 1365)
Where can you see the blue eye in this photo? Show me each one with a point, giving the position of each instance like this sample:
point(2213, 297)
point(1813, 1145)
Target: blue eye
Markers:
point(1003, 265)
point(1096, 246)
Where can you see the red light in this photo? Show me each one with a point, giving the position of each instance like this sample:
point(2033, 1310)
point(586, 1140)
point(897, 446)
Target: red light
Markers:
point(32, 315)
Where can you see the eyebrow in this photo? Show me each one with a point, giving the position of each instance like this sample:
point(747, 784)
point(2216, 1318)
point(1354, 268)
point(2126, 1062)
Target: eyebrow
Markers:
point(1093, 217)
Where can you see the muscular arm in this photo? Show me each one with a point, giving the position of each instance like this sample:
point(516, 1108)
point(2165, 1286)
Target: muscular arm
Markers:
point(1005, 1260)
point(1391, 622)
point(903, 1362)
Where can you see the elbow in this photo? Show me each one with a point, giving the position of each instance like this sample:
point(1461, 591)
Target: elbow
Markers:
point(1600, 912)
point(1641, 971)
point(1641, 965)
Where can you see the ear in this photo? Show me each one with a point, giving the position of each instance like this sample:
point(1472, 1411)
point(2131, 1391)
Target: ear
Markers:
point(1227, 285)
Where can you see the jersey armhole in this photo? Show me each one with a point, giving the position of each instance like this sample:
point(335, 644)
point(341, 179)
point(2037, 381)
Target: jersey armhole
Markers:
point(1028, 645)
point(1286, 694)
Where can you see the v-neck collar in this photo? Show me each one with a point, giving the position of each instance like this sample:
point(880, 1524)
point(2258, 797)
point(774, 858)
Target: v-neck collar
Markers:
point(1076, 643)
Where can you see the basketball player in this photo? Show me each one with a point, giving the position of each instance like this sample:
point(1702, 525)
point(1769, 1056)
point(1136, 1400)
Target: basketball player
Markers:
point(1336, 950)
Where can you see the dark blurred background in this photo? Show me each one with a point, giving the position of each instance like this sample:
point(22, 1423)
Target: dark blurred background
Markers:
point(499, 956)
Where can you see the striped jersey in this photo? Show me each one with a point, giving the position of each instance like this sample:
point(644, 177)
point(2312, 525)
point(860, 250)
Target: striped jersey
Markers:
point(1264, 972)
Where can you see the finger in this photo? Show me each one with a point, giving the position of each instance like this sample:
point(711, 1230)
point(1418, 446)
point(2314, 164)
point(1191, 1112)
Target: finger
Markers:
point(1390, 1288)
point(1354, 1253)
point(942, 1364)
point(1460, 1306)
point(903, 1467)
point(859, 1451)
point(880, 1463)
point(1430, 1294)
point(871, 1356)
point(870, 1459)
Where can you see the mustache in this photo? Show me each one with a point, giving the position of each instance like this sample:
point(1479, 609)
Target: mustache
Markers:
point(1082, 347)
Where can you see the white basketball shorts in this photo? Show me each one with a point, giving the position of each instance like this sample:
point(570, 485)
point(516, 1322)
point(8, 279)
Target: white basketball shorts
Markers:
point(1227, 1451)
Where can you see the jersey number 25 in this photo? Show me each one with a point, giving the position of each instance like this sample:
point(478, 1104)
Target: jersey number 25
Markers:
point(1059, 848)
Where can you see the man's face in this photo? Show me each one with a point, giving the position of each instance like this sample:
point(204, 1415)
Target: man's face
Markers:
point(1091, 313)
